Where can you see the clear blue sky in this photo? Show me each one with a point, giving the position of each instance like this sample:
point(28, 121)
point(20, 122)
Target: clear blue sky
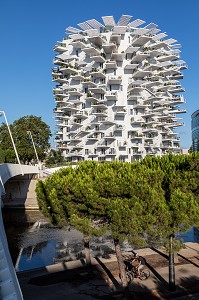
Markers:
point(30, 29)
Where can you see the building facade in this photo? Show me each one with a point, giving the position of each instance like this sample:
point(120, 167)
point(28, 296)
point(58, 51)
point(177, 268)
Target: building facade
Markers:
point(117, 91)
point(195, 130)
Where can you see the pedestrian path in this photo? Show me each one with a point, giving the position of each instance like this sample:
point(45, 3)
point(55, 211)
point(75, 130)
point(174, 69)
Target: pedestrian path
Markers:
point(71, 280)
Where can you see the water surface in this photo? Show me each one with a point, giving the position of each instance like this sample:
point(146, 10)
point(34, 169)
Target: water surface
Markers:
point(34, 242)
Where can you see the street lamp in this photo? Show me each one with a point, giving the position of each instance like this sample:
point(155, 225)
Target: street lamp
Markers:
point(3, 113)
point(29, 132)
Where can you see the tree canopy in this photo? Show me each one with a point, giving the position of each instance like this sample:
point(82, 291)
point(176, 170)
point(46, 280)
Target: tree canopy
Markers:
point(54, 157)
point(181, 189)
point(139, 202)
point(143, 203)
point(40, 132)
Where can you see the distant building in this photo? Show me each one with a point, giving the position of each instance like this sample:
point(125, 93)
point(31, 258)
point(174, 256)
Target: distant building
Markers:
point(184, 151)
point(195, 130)
point(117, 91)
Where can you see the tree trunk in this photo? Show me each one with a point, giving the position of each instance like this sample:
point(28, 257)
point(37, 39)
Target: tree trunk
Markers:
point(121, 264)
point(176, 259)
point(172, 286)
point(87, 251)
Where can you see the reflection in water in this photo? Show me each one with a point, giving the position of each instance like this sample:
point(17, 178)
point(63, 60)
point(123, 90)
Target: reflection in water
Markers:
point(34, 242)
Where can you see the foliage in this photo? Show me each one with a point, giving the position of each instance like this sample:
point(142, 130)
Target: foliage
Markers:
point(139, 202)
point(54, 157)
point(143, 202)
point(181, 190)
point(126, 199)
point(2, 156)
point(40, 132)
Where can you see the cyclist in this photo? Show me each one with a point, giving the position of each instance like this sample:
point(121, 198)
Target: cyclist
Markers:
point(141, 262)
point(128, 264)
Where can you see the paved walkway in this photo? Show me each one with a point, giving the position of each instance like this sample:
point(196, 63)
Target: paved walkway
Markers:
point(72, 280)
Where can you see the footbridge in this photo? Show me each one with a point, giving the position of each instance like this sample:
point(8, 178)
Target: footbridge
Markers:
point(9, 285)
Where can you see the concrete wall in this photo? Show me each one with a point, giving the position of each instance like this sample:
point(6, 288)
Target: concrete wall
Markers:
point(17, 188)
point(20, 192)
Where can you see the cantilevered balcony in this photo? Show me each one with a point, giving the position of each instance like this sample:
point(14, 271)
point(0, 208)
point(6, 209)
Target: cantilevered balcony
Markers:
point(176, 89)
point(60, 78)
point(176, 110)
point(98, 89)
point(117, 56)
point(60, 47)
point(136, 121)
point(94, 136)
point(77, 121)
point(105, 143)
point(120, 111)
point(115, 38)
point(87, 83)
point(140, 40)
point(97, 73)
point(98, 105)
point(109, 47)
point(98, 58)
point(110, 64)
point(118, 127)
point(139, 56)
point(139, 72)
point(134, 96)
point(109, 138)
point(92, 51)
point(111, 95)
point(100, 112)
point(68, 69)
point(177, 99)
point(174, 124)
point(58, 92)
point(131, 66)
point(97, 40)
point(111, 152)
point(77, 77)
point(75, 153)
point(167, 57)
point(78, 44)
point(81, 114)
point(90, 97)
point(75, 92)
point(114, 80)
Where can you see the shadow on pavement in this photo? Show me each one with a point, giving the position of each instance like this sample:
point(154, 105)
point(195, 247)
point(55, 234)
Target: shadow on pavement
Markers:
point(158, 276)
point(192, 248)
point(108, 272)
point(188, 260)
point(159, 252)
point(102, 284)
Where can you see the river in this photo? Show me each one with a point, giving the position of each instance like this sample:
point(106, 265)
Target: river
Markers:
point(34, 242)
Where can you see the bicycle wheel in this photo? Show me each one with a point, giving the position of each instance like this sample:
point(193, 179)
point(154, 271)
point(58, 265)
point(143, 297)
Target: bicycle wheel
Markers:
point(129, 276)
point(144, 274)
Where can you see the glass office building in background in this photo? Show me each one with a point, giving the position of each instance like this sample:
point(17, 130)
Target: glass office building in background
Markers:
point(195, 130)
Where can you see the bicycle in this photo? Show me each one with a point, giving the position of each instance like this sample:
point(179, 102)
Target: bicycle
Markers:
point(133, 273)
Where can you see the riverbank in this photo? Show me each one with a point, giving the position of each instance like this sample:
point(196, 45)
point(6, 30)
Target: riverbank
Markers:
point(73, 280)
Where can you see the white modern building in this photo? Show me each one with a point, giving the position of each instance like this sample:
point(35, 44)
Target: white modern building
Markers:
point(117, 91)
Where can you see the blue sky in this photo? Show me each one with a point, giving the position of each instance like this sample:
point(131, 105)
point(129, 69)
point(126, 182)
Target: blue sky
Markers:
point(30, 29)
